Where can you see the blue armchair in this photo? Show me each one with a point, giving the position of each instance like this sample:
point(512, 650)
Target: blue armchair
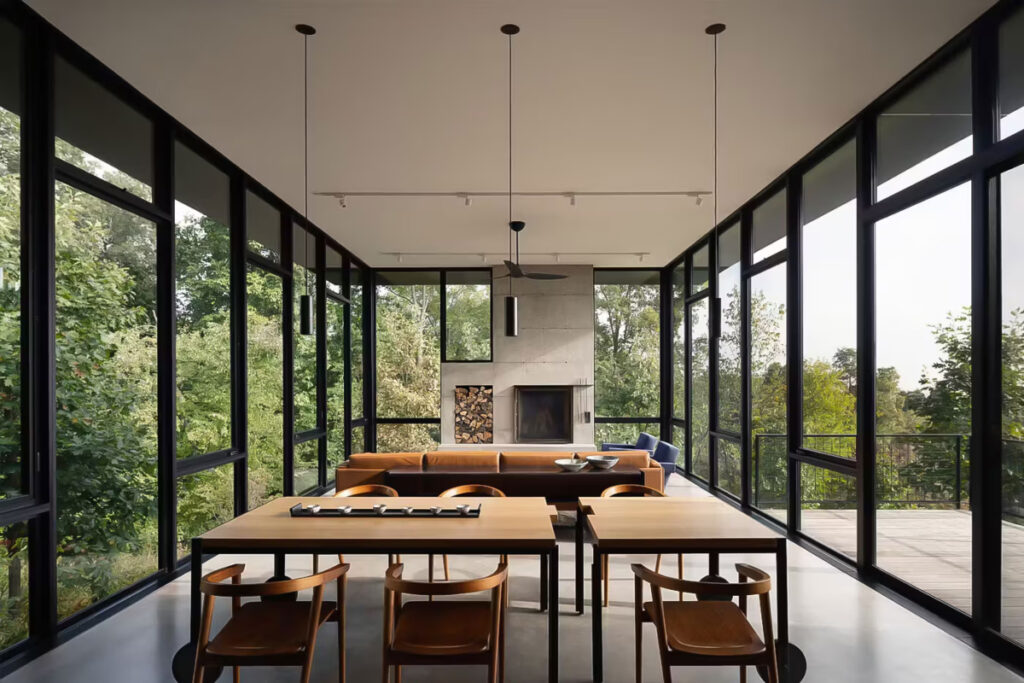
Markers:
point(666, 454)
point(645, 442)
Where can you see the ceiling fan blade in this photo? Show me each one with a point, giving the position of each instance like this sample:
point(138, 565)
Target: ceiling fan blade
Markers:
point(545, 276)
point(513, 269)
point(501, 277)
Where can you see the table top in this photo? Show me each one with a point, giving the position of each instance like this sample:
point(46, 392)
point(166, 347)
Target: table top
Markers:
point(504, 523)
point(675, 524)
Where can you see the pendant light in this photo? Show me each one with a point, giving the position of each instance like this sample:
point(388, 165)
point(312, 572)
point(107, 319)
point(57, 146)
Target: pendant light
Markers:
point(305, 301)
point(511, 302)
point(714, 30)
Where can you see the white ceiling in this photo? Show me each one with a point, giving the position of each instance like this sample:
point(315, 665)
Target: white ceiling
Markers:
point(611, 95)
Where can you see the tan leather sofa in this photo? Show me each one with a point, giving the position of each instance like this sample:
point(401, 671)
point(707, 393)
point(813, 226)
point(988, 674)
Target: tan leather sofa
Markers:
point(372, 468)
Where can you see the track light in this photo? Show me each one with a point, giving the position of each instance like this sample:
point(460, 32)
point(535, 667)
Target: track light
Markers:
point(341, 200)
point(572, 199)
point(700, 200)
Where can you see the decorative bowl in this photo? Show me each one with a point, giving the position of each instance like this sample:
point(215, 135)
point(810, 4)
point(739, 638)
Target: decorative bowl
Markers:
point(603, 462)
point(570, 465)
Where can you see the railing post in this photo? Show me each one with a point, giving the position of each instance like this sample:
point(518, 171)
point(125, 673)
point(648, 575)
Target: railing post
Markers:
point(959, 469)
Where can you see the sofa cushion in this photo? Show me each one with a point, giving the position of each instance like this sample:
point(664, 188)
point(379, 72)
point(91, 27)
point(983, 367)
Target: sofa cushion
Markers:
point(385, 461)
point(531, 458)
point(631, 458)
point(475, 459)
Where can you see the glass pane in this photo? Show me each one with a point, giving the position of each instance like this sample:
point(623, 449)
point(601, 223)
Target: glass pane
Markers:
point(729, 478)
point(1011, 75)
point(626, 348)
point(926, 130)
point(408, 347)
point(205, 500)
point(14, 561)
point(358, 440)
point(700, 270)
point(100, 134)
point(769, 227)
point(335, 271)
point(605, 432)
point(304, 345)
point(306, 467)
point(263, 227)
point(265, 341)
point(357, 288)
point(679, 441)
point(829, 236)
point(768, 391)
point(398, 438)
point(335, 385)
point(106, 412)
point(729, 398)
point(13, 477)
point(468, 315)
point(923, 393)
point(678, 344)
point(1011, 198)
point(202, 246)
point(828, 508)
point(700, 388)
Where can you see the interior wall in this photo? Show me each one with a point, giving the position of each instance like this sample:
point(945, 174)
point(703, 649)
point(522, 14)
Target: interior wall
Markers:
point(555, 346)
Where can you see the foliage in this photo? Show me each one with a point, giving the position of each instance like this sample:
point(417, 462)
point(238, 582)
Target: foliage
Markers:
point(626, 347)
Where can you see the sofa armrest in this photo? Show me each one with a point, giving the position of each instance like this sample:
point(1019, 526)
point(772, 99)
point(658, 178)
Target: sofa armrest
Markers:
point(346, 477)
point(654, 477)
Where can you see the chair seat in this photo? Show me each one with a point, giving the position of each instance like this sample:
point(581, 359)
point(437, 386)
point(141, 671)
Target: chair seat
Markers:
point(443, 628)
point(708, 628)
point(267, 629)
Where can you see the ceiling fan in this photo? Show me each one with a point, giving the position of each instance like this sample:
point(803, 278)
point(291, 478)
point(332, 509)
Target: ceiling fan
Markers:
point(514, 271)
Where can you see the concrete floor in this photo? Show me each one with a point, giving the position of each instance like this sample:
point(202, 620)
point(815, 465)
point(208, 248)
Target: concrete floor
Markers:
point(848, 632)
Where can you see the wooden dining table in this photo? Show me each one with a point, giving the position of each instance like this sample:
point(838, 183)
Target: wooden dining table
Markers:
point(639, 526)
point(505, 526)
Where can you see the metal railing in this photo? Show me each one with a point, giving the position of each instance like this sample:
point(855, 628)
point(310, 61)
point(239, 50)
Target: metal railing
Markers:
point(912, 470)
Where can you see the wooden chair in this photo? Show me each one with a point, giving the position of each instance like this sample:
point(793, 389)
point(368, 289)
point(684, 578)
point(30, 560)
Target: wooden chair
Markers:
point(633, 490)
point(356, 492)
point(271, 633)
point(444, 632)
point(455, 492)
point(712, 631)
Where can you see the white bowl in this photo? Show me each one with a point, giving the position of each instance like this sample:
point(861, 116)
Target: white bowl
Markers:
point(603, 462)
point(570, 465)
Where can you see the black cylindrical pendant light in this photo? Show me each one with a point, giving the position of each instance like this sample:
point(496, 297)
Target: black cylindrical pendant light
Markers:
point(305, 301)
point(511, 316)
point(511, 302)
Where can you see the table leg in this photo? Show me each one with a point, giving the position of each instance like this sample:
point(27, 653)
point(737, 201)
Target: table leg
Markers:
point(553, 616)
point(782, 608)
point(279, 568)
point(196, 600)
point(714, 566)
point(579, 560)
point(544, 583)
point(596, 602)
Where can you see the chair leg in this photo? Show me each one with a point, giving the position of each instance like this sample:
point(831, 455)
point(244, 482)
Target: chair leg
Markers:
point(680, 576)
point(607, 582)
point(398, 674)
point(316, 564)
point(743, 674)
point(430, 574)
point(447, 577)
point(639, 638)
point(237, 675)
point(657, 564)
point(197, 673)
point(304, 677)
point(341, 628)
point(386, 671)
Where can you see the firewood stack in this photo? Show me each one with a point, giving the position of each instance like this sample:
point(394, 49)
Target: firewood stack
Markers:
point(474, 414)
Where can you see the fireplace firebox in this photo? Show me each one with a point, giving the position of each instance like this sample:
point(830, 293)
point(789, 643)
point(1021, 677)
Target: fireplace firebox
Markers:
point(543, 414)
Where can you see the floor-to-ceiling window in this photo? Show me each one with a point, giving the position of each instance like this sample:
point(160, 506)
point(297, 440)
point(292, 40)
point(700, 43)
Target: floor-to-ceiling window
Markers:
point(336, 359)
point(698, 317)
point(627, 342)
point(728, 400)
point(677, 320)
point(769, 383)
point(408, 362)
point(307, 426)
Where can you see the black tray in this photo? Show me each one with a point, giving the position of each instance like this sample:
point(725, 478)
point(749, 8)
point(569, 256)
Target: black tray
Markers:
point(298, 510)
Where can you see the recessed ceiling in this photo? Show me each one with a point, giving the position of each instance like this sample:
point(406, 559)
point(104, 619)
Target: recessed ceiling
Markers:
point(410, 96)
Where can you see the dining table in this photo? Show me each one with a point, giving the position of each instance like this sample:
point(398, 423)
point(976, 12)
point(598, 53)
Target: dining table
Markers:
point(676, 525)
point(504, 526)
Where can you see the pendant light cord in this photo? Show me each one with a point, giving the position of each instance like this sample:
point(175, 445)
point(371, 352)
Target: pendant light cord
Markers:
point(510, 165)
point(715, 183)
point(305, 152)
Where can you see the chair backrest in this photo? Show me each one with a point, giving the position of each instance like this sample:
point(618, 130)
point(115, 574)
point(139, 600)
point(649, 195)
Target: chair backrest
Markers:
point(666, 452)
point(367, 490)
point(631, 490)
point(213, 583)
point(646, 442)
point(472, 490)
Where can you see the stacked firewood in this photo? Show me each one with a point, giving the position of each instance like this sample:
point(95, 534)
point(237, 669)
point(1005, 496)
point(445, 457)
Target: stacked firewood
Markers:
point(474, 414)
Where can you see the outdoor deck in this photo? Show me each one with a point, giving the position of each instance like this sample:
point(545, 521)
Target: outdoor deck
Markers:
point(930, 549)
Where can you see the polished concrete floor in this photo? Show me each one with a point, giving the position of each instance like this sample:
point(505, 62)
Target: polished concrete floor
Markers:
point(848, 632)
